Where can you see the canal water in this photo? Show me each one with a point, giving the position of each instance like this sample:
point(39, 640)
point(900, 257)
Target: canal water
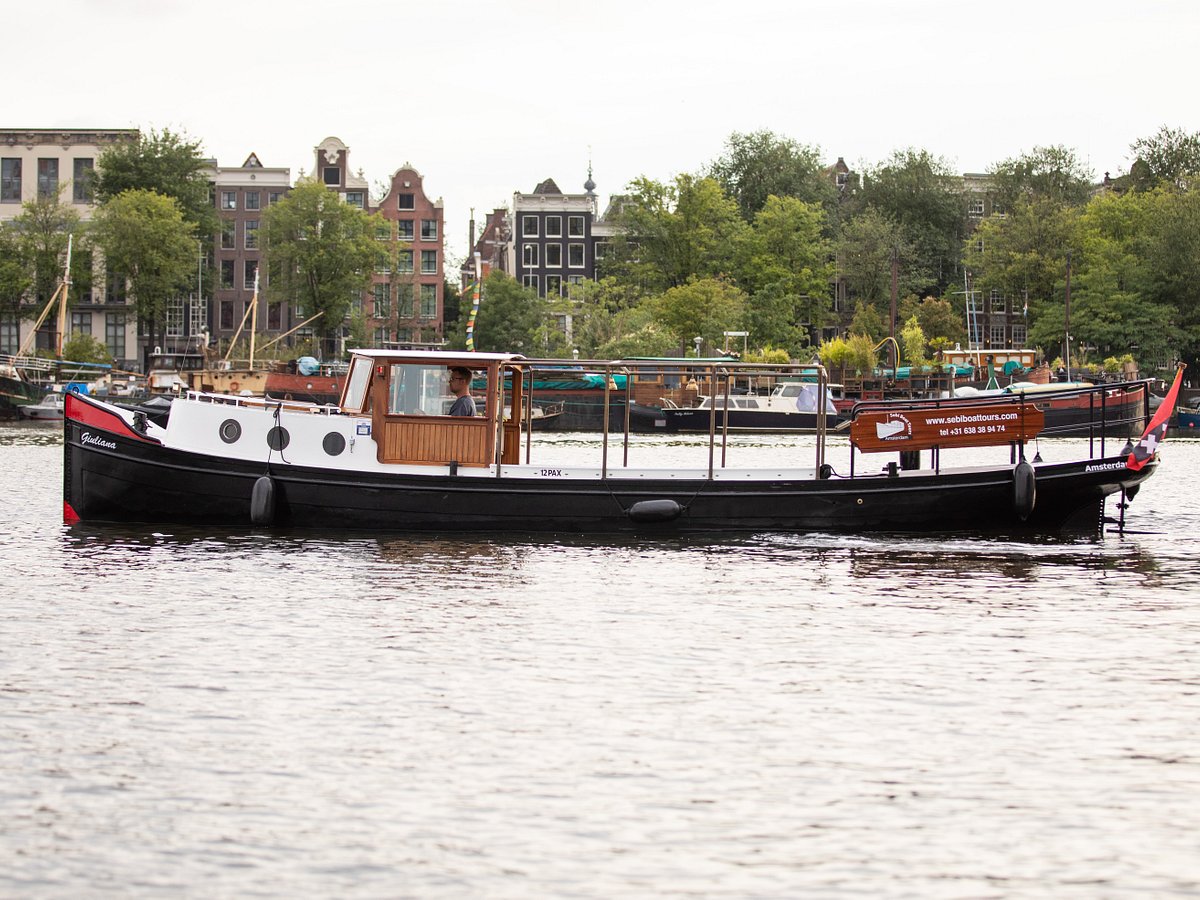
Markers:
point(258, 714)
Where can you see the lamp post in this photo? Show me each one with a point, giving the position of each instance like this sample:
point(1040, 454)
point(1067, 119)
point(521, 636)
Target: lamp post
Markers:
point(697, 340)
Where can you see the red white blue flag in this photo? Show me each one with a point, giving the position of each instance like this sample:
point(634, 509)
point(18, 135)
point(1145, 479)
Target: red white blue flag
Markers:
point(1156, 430)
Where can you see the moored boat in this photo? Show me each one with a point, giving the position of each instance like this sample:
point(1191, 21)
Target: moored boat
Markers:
point(1188, 417)
point(1079, 408)
point(791, 406)
point(50, 409)
point(390, 458)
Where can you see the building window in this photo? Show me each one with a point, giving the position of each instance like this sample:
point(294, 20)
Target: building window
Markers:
point(529, 226)
point(998, 336)
point(382, 295)
point(529, 255)
point(998, 304)
point(404, 300)
point(354, 198)
point(227, 274)
point(429, 229)
point(114, 287)
point(575, 226)
point(228, 234)
point(429, 301)
point(114, 334)
point(553, 285)
point(228, 199)
point(274, 197)
point(1019, 336)
point(530, 281)
point(975, 208)
point(428, 262)
point(275, 316)
point(601, 250)
point(404, 262)
point(10, 180)
point(331, 175)
point(252, 199)
point(575, 256)
point(227, 315)
point(251, 234)
point(405, 201)
point(174, 317)
point(554, 255)
point(81, 184)
point(81, 323)
point(249, 268)
point(47, 177)
point(553, 226)
point(383, 231)
point(404, 229)
point(10, 334)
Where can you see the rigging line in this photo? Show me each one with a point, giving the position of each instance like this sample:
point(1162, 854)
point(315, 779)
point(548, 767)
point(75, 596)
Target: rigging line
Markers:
point(281, 432)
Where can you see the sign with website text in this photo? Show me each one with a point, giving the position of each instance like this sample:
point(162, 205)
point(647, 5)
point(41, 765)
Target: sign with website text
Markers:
point(875, 431)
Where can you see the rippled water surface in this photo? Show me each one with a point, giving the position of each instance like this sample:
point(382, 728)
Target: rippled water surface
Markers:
point(189, 713)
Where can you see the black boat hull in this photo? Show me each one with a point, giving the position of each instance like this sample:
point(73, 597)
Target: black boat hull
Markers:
point(113, 474)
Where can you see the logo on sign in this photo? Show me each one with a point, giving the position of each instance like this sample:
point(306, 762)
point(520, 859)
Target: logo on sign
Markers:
point(895, 428)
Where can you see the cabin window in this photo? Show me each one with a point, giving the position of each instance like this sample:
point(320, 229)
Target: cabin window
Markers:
point(419, 390)
point(356, 384)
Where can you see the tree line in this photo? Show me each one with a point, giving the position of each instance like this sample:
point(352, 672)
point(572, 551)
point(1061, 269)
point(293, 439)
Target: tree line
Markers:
point(765, 239)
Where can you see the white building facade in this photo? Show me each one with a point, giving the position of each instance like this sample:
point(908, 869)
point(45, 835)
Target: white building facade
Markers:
point(41, 163)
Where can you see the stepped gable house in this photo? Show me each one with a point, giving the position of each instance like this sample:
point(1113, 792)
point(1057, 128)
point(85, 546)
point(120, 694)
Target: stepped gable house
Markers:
point(406, 306)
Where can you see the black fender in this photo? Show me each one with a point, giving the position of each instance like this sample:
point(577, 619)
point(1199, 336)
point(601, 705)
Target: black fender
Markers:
point(1024, 489)
point(262, 501)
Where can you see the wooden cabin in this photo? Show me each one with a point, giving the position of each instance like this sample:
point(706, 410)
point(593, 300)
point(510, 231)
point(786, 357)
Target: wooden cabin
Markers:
point(407, 395)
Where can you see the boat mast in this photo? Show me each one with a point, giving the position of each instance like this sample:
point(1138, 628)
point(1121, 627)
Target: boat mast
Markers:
point(59, 297)
point(62, 304)
point(253, 317)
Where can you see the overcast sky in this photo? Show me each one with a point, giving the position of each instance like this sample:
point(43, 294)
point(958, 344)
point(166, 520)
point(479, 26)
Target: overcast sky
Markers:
point(486, 98)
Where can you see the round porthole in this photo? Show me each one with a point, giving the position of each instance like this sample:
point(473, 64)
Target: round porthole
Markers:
point(230, 431)
point(334, 443)
point(278, 438)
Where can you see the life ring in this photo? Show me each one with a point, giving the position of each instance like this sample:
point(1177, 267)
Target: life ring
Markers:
point(233, 386)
